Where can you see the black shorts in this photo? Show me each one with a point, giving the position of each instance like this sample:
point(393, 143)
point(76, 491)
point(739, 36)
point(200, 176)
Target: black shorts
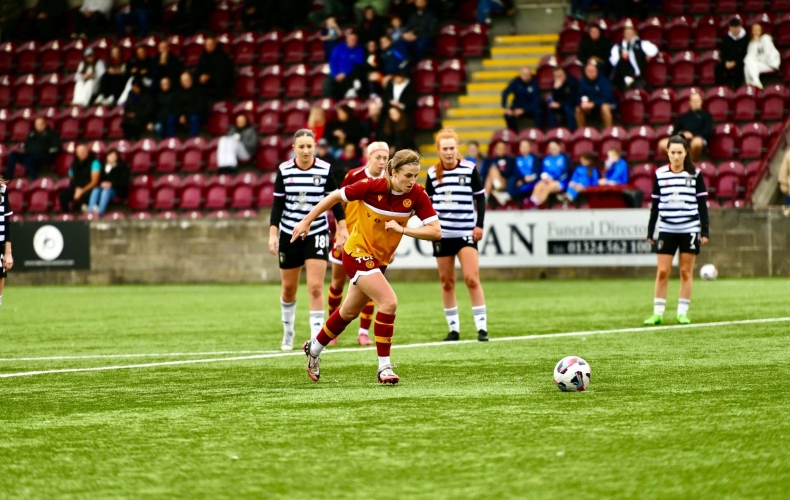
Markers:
point(3, 274)
point(312, 247)
point(669, 243)
point(449, 247)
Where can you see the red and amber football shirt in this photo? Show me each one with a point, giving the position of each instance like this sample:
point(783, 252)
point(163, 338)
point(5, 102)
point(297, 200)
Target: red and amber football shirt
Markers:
point(352, 208)
point(378, 204)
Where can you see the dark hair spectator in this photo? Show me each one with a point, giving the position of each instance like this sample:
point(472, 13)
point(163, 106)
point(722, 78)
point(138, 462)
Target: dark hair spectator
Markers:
point(191, 104)
point(137, 111)
point(192, 15)
point(420, 29)
point(92, 17)
point(84, 175)
point(166, 64)
point(629, 59)
point(595, 45)
point(563, 99)
point(113, 183)
point(239, 144)
point(696, 125)
point(732, 52)
point(526, 100)
point(330, 35)
point(497, 173)
point(39, 149)
point(141, 67)
point(214, 71)
point(86, 84)
point(48, 22)
point(322, 150)
point(346, 65)
point(595, 97)
point(143, 13)
point(371, 27)
point(113, 81)
point(165, 117)
point(343, 129)
point(349, 159)
point(397, 131)
point(394, 59)
point(761, 56)
point(400, 92)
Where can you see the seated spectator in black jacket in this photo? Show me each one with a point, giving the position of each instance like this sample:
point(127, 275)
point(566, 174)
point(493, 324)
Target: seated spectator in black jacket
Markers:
point(191, 104)
point(595, 97)
point(696, 126)
point(629, 59)
point(214, 71)
point(113, 183)
point(397, 131)
point(165, 116)
point(373, 123)
point(342, 130)
point(420, 29)
point(92, 17)
point(562, 102)
point(594, 45)
point(113, 82)
point(137, 112)
point(166, 64)
point(192, 15)
point(49, 19)
point(732, 52)
point(84, 175)
point(371, 27)
point(497, 174)
point(349, 160)
point(141, 67)
point(526, 100)
point(39, 149)
point(143, 13)
point(400, 92)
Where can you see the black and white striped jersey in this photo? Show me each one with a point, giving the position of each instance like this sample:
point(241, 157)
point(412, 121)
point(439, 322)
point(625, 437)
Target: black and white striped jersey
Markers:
point(5, 213)
point(679, 202)
point(302, 190)
point(453, 198)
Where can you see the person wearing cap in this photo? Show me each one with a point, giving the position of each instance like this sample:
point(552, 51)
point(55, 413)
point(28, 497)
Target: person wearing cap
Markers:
point(595, 97)
point(629, 58)
point(344, 66)
point(526, 100)
point(86, 84)
point(732, 52)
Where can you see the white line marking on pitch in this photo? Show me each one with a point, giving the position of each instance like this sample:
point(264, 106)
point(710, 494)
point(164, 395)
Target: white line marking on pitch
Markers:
point(153, 355)
point(406, 346)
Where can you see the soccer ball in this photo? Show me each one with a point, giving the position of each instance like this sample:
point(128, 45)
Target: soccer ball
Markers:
point(572, 374)
point(709, 272)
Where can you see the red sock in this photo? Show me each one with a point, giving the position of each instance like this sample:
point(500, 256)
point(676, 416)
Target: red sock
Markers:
point(385, 324)
point(335, 299)
point(366, 316)
point(333, 327)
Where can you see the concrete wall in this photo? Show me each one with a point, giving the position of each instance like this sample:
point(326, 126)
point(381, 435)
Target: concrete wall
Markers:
point(236, 251)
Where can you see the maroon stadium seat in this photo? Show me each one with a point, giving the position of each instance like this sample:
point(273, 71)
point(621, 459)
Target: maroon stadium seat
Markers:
point(166, 215)
point(295, 115)
point(221, 18)
point(98, 148)
point(270, 117)
point(570, 37)
point(6, 91)
point(192, 48)
point(745, 103)
point(243, 191)
point(706, 32)
point(545, 71)
point(428, 114)
point(682, 102)
point(774, 102)
point(25, 88)
point(167, 190)
point(731, 176)
point(101, 47)
point(766, 20)
point(168, 153)
point(219, 118)
point(425, 76)
point(192, 215)
point(561, 134)
point(474, 40)
point(775, 133)
point(194, 154)
point(584, 140)
point(657, 70)
point(752, 5)
point(124, 148)
point(673, 7)
point(294, 47)
point(7, 50)
point(641, 143)
point(754, 139)
point(244, 49)
point(246, 214)
point(50, 90)
point(217, 194)
point(572, 66)
point(706, 67)
point(151, 44)
point(95, 123)
point(448, 41)
point(70, 123)
point(452, 75)
point(612, 137)
point(219, 214)
point(41, 195)
point(678, 33)
point(192, 192)
point(65, 158)
point(508, 137)
point(269, 47)
point(718, 102)
point(317, 75)
point(51, 57)
point(67, 89)
point(683, 68)
point(5, 124)
point(315, 48)
point(26, 57)
point(297, 81)
point(142, 156)
point(114, 121)
point(633, 107)
point(127, 44)
point(270, 153)
point(73, 53)
point(211, 154)
point(698, 6)
point(248, 109)
point(754, 171)
point(778, 5)
point(265, 196)
point(724, 141)
point(536, 137)
point(17, 192)
point(726, 5)
point(709, 174)
point(176, 44)
point(270, 82)
point(141, 192)
point(246, 83)
point(660, 105)
point(782, 30)
point(641, 177)
point(652, 30)
point(21, 124)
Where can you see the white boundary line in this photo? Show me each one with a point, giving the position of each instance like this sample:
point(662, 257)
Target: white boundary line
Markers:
point(152, 355)
point(406, 346)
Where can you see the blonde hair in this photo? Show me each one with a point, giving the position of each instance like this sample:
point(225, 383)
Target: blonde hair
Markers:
point(375, 146)
point(312, 119)
point(445, 133)
point(399, 160)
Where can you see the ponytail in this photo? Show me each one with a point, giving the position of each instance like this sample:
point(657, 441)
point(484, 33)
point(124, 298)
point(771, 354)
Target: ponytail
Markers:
point(445, 133)
point(688, 165)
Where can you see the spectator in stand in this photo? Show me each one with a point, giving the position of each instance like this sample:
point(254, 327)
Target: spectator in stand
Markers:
point(137, 112)
point(86, 83)
point(553, 176)
point(496, 174)
point(191, 104)
point(761, 56)
point(84, 175)
point(342, 130)
point(420, 29)
point(166, 113)
point(579, 8)
point(141, 67)
point(595, 97)
point(192, 15)
point(396, 30)
point(332, 8)
point(49, 19)
point(330, 35)
point(526, 170)
point(10, 14)
point(401, 94)
point(371, 27)
point(526, 100)
point(371, 128)
point(345, 68)
point(784, 181)
point(473, 154)
point(629, 59)
point(349, 160)
point(113, 82)
point(113, 183)
point(397, 131)
point(594, 45)
point(92, 17)
point(215, 70)
point(143, 13)
point(616, 173)
point(39, 149)
point(166, 64)
point(239, 144)
point(393, 60)
point(696, 125)
point(584, 176)
point(322, 150)
point(732, 52)
point(563, 99)
point(316, 121)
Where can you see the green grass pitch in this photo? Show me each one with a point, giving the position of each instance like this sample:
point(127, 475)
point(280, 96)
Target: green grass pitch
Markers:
point(670, 413)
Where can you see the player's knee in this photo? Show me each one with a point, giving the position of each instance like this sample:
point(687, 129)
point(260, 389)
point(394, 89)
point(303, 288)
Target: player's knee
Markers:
point(315, 291)
point(662, 274)
point(448, 284)
point(388, 306)
point(686, 274)
point(472, 282)
point(289, 291)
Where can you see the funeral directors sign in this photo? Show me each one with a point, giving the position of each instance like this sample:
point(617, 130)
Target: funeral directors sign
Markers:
point(550, 238)
point(51, 245)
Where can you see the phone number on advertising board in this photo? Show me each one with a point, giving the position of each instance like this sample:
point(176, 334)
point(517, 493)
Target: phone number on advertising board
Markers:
point(599, 247)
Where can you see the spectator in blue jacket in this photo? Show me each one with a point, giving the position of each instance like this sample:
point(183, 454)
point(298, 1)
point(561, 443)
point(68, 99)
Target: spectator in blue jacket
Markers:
point(526, 100)
point(585, 175)
point(345, 65)
point(393, 59)
point(595, 97)
point(497, 172)
point(553, 177)
point(562, 102)
point(616, 173)
point(526, 174)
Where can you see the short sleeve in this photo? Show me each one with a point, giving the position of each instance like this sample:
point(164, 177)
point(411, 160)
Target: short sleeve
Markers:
point(95, 166)
point(423, 209)
point(355, 191)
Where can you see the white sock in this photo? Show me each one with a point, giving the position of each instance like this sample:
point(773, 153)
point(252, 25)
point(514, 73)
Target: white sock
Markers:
point(289, 313)
point(683, 306)
point(384, 361)
point(363, 331)
point(453, 320)
point(316, 348)
point(1, 300)
point(479, 313)
point(659, 305)
point(316, 323)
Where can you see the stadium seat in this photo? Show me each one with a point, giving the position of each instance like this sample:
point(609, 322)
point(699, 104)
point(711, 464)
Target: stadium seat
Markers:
point(641, 177)
point(678, 33)
point(561, 134)
point(211, 154)
point(652, 30)
point(612, 137)
point(168, 153)
point(753, 142)
point(101, 48)
point(782, 38)
point(474, 40)
point(295, 115)
point(114, 121)
point(246, 214)
point(270, 82)
point(657, 70)
point(296, 81)
point(723, 143)
point(545, 71)
point(633, 107)
point(192, 214)
point(123, 147)
point(6, 91)
point(752, 5)
point(778, 5)
point(572, 66)
point(141, 193)
point(641, 143)
point(428, 114)
point(731, 176)
point(219, 214)
point(754, 171)
point(21, 123)
point(176, 44)
point(7, 51)
point(142, 156)
point(167, 189)
point(98, 148)
point(151, 44)
point(425, 76)
point(265, 196)
point(726, 5)
point(315, 48)
point(709, 175)
point(60, 185)
point(25, 88)
point(244, 49)
point(127, 44)
point(270, 153)
point(49, 90)
point(294, 47)
point(682, 101)
point(67, 89)
point(584, 140)
point(745, 103)
point(775, 133)
point(245, 85)
point(192, 192)
point(41, 195)
point(706, 67)
point(706, 31)
point(26, 57)
point(72, 54)
point(448, 41)
point(270, 117)
point(65, 158)
point(718, 102)
point(191, 49)
point(95, 123)
point(570, 37)
point(50, 57)
point(672, 7)
point(269, 47)
point(221, 17)
point(219, 118)
point(243, 191)
point(536, 137)
point(683, 67)
point(508, 137)
point(774, 102)
point(660, 105)
point(217, 193)
point(5, 124)
point(17, 191)
point(698, 6)
point(193, 155)
point(70, 123)
point(316, 79)
point(248, 109)
point(764, 19)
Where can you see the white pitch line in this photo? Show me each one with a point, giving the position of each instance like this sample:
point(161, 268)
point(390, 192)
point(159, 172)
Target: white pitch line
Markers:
point(406, 346)
point(151, 355)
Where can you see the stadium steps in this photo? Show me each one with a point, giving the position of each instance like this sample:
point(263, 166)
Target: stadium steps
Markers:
point(478, 113)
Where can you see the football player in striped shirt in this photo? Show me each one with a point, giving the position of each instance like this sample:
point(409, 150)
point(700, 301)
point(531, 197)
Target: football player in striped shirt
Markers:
point(681, 211)
point(6, 258)
point(301, 183)
point(378, 155)
point(386, 205)
point(455, 189)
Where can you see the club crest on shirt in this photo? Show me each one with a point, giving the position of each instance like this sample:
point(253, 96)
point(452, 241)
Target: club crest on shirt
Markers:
point(407, 203)
point(369, 264)
point(689, 182)
point(380, 197)
point(316, 180)
point(462, 181)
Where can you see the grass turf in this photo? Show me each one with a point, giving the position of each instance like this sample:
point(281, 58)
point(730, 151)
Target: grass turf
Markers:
point(692, 413)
